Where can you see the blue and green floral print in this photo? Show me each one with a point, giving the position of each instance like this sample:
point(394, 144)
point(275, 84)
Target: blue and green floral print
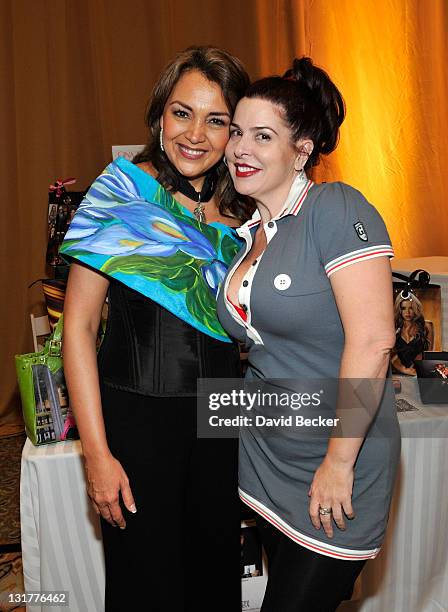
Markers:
point(131, 229)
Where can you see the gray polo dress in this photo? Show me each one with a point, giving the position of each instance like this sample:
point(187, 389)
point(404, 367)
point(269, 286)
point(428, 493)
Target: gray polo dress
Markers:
point(293, 331)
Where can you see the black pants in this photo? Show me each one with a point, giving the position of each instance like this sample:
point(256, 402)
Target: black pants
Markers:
point(181, 550)
point(300, 580)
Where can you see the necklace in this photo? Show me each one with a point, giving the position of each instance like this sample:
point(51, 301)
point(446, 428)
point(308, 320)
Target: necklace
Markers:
point(199, 211)
point(205, 195)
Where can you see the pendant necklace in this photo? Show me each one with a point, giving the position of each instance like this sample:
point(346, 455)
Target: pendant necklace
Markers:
point(205, 195)
point(199, 211)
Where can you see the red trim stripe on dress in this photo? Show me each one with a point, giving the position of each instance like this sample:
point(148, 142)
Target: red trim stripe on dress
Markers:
point(253, 224)
point(301, 199)
point(303, 540)
point(355, 256)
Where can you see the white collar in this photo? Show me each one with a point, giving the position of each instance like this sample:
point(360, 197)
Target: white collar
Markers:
point(293, 203)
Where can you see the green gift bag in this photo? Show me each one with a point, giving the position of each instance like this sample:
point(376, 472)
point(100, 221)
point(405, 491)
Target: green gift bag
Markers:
point(43, 391)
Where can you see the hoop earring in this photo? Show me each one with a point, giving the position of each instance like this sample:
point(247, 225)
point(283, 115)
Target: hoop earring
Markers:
point(298, 162)
point(161, 139)
point(225, 161)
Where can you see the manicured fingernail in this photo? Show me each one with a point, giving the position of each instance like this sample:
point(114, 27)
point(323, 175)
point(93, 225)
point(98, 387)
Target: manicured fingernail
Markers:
point(122, 527)
point(133, 509)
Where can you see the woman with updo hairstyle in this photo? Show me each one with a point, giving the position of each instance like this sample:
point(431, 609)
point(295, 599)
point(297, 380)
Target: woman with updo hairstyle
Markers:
point(156, 235)
point(310, 295)
point(412, 336)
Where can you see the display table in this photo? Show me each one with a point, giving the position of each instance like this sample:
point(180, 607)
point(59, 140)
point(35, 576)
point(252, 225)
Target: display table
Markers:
point(61, 538)
point(61, 545)
point(410, 573)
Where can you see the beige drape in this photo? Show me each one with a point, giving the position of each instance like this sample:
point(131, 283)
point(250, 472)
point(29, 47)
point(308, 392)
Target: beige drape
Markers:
point(75, 75)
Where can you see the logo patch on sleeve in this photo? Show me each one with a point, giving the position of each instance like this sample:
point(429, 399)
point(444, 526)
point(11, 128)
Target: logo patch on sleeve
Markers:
point(360, 230)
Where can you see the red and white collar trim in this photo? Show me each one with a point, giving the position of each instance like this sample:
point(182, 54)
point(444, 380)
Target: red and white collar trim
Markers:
point(293, 204)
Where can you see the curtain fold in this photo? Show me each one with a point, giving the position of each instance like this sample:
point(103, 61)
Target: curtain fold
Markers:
point(388, 58)
point(75, 76)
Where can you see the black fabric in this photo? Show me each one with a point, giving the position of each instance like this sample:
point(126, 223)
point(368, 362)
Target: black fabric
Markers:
point(181, 550)
point(408, 351)
point(149, 350)
point(300, 580)
point(208, 188)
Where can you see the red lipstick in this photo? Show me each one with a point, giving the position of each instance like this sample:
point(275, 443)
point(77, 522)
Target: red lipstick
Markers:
point(244, 170)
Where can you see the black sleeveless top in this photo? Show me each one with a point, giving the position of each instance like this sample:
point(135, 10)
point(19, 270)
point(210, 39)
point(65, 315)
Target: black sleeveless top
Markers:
point(408, 351)
point(148, 350)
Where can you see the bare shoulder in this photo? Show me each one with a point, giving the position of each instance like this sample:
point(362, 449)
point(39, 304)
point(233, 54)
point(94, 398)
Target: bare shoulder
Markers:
point(148, 168)
point(230, 221)
point(214, 215)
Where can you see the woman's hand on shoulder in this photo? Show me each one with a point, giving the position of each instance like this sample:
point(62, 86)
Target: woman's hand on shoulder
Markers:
point(331, 489)
point(106, 479)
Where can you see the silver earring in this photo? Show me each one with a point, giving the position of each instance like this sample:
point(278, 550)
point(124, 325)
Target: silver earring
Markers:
point(161, 139)
point(225, 161)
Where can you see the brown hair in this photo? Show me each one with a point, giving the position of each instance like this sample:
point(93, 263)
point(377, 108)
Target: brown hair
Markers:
point(419, 319)
point(228, 72)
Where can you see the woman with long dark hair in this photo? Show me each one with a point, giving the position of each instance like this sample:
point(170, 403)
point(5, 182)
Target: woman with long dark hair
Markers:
point(156, 236)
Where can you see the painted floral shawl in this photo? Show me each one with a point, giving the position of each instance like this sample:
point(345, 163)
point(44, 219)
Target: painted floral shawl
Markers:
point(131, 229)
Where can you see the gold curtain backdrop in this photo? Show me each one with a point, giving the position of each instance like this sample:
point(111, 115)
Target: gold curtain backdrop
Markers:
point(75, 76)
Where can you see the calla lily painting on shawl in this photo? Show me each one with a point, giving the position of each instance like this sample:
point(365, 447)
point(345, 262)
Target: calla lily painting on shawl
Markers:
point(131, 229)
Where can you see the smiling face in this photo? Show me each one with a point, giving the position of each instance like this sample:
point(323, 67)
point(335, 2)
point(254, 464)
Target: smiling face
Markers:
point(195, 125)
point(260, 154)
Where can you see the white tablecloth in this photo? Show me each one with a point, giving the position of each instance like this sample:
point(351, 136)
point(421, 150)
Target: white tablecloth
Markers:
point(61, 538)
point(61, 544)
point(410, 573)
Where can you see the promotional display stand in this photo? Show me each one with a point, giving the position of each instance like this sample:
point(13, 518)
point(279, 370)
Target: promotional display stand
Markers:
point(438, 269)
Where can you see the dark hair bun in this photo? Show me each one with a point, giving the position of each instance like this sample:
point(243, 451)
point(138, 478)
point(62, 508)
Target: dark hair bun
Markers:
point(303, 71)
point(313, 106)
point(324, 94)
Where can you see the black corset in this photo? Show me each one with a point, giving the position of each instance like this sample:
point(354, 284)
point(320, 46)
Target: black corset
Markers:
point(150, 351)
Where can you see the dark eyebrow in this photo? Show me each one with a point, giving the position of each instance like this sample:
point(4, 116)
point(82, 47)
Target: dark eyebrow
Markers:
point(263, 127)
point(182, 104)
point(214, 113)
point(257, 127)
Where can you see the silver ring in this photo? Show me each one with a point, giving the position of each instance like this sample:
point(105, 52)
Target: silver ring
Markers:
point(324, 511)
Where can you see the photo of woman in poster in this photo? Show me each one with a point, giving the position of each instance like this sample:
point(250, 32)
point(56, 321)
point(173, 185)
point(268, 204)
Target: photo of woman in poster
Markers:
point(413, 334)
